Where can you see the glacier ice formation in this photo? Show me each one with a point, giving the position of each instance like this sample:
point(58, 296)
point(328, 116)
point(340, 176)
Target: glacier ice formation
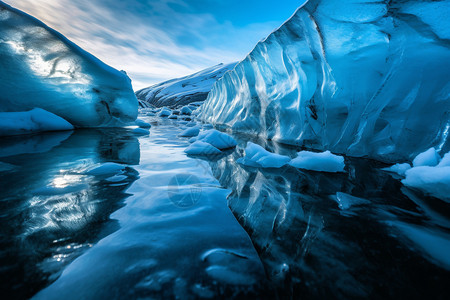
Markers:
point(185, 90)
point(40, 68)
point(363, 78)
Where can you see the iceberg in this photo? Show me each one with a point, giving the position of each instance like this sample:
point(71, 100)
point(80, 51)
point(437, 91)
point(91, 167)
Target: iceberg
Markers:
point(40, 68)
point(182, 91)
point(362, 78)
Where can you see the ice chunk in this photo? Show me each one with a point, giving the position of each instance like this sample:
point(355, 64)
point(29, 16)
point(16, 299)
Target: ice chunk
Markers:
point(322, 162)
point(345, 201)
point(141, 131)
point(36, 120)
point(107, 169)
point(186, 111)
point(257, 156)
point(445, 162)
point(400, 169)
point(190, 132)
point(173, 117)
point(217, 139)
point(142, 124)
point(434, 181)
point(363, 78)
point(428, 158)
point(202, 148)
point(165, 112)
point(40, 68)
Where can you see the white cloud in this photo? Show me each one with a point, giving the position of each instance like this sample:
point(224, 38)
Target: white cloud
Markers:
point(153, 45)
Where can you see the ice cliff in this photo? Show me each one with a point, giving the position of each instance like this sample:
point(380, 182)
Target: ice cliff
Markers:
point(364, 78)
point(40, 68)
point(185, 90)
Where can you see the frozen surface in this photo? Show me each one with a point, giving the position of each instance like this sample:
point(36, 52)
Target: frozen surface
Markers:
point(36, 120)
point(217, 139)
point(322, 162)
point(257, 156)
point(363, 78)
point(40, 68)
point(202, 148)
point(182, 91)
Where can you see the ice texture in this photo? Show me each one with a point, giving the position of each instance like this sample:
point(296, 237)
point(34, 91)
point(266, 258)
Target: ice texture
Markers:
point(361, 78)
point(257, 156)
point(36, 120)
point(185, 90)
point(321, 162)
point(40, 68)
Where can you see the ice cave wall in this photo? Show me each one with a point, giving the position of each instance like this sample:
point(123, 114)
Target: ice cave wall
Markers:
point(364, 78)
point(41, 68)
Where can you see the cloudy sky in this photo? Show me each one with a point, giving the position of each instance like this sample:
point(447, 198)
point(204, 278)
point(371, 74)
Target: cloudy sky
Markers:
point(155, 40)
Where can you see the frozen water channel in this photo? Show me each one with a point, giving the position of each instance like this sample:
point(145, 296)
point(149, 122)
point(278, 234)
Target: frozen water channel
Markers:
point(109, 214)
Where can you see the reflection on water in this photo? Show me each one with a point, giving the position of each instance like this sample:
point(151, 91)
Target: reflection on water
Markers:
point(50, 211)
point(177, 236)
point(385, 245)
point(151, 222)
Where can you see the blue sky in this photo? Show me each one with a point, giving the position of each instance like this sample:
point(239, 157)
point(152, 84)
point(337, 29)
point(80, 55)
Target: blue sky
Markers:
point(155, 40)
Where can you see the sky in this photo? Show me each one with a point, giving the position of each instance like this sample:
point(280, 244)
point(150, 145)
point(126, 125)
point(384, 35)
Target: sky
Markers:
point(156, 40)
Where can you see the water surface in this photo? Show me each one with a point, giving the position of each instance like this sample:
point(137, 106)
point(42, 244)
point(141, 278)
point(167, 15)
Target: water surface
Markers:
point(173, 226)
